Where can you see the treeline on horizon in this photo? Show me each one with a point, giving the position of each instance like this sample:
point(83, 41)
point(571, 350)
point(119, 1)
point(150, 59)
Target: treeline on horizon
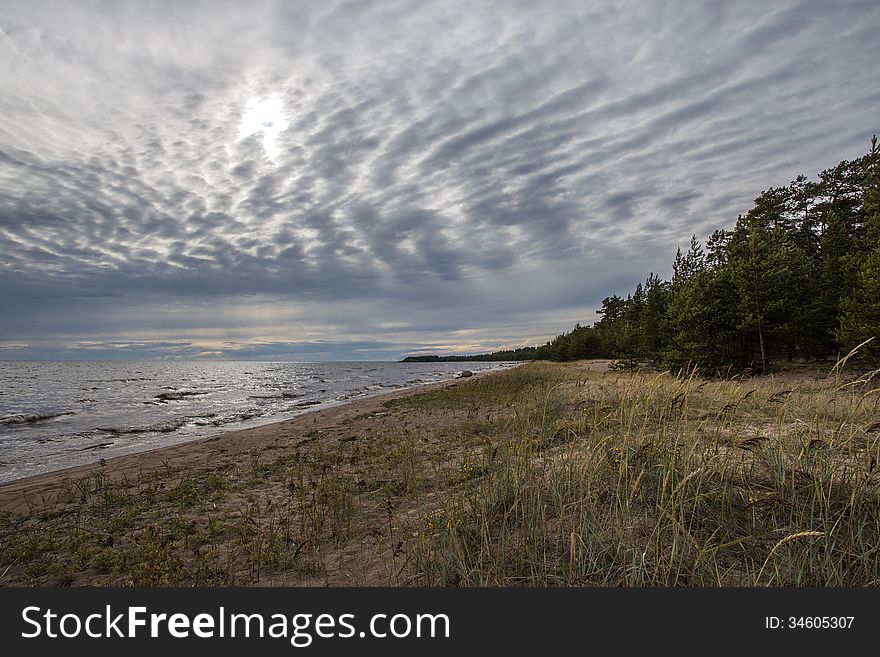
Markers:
point(798, 277)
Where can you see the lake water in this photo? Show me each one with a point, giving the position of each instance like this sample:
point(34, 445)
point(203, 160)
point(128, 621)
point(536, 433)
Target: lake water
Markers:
point(57, 414)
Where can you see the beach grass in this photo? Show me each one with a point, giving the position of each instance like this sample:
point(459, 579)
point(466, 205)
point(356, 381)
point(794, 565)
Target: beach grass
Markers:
point(542, 475)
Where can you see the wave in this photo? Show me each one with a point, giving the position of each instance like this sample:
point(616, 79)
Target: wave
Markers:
point(173, 424)
point(350, 395)
point(31, 418)
point(165, 426)
point(128, 380)
point(176, 395)
point(204, 420)
point(303, 404)
point(232, 418)
point(98, 446)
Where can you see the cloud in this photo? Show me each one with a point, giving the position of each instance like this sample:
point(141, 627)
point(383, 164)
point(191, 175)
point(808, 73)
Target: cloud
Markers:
point(376, 177)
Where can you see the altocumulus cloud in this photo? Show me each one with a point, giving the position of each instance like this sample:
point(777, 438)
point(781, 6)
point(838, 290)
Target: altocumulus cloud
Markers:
point(314, 180)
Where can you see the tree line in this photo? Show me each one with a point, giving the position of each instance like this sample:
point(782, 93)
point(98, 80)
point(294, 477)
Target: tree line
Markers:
point(797, 277)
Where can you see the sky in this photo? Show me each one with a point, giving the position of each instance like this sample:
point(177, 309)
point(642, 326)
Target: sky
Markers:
point(363, 180)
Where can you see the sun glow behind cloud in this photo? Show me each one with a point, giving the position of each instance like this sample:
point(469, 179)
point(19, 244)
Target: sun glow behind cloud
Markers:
point(264, 117)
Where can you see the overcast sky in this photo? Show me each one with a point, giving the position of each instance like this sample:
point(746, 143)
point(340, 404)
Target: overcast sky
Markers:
point(360, 180)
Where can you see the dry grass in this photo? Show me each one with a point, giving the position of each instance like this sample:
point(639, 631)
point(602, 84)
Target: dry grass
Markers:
point(542, 475)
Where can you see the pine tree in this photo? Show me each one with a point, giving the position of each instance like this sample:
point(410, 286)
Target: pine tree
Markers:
point(860, 310)
point(860, 318)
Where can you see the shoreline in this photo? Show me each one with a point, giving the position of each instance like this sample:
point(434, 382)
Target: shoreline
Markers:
point(42, 489)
